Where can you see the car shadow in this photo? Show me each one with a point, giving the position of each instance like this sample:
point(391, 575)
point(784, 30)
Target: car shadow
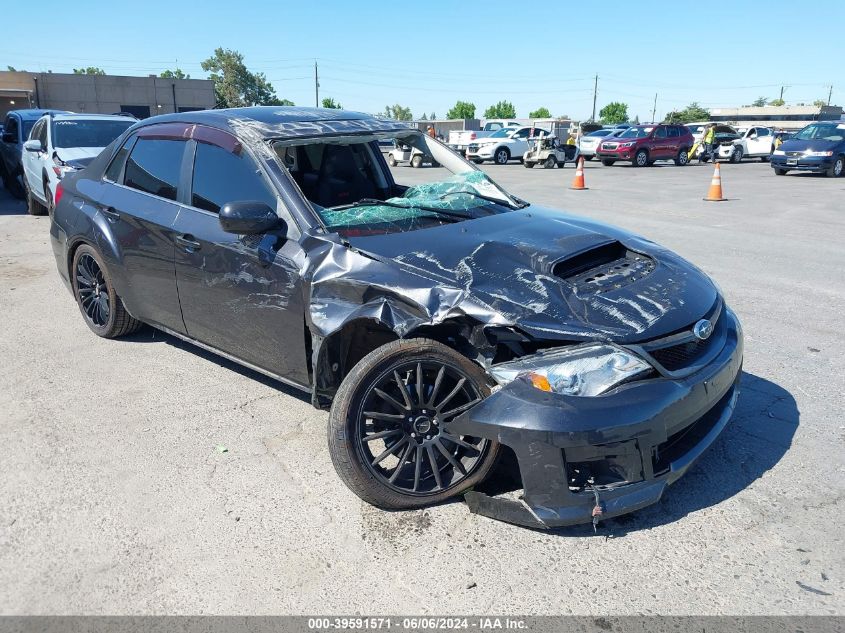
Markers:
point(757, 437)
point(149, 334)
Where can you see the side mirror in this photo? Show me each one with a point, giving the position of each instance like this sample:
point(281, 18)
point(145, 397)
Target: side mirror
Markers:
point(33, 145)
point(249, 218)
point(10, 137)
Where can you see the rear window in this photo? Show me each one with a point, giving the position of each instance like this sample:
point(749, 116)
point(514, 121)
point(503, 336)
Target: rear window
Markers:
point(154, 166)
point(91, 133)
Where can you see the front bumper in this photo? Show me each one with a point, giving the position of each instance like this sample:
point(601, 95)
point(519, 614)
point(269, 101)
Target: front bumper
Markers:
point(619, 153)
point(803, 163)
point(639, 438)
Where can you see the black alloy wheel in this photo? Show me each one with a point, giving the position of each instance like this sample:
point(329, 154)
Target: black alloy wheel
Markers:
point(389, 433)
point(101, 308)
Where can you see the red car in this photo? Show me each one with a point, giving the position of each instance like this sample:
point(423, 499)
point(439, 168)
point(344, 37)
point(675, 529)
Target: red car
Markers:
point(644, 144)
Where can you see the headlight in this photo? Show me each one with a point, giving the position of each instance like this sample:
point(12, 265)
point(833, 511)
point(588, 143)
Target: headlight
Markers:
point(626, 144)
point(809, 153)
point(778, 152)
point(585, 370)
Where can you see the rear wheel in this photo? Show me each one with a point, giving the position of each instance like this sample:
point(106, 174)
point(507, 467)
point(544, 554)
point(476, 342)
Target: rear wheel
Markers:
point(416, 161)
point(388, 433)
point(101, 308)
point(502, 156)
point(836, 169)
point(391, 160)
point(682, 158)
point(550, 162)
point(51, 206)
point(607, 162)
point(641, 158)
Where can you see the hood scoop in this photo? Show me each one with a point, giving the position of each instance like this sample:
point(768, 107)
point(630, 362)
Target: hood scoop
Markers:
point(606, 267)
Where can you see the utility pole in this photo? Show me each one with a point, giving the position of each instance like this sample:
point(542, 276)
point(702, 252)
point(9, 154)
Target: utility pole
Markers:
point(316, 86)
point(781, 93)
point(829, 94)
point(595, 92)
point(654, 109)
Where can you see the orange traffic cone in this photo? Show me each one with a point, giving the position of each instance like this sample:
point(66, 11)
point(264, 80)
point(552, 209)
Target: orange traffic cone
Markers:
point(715, 192)
point(578, 181)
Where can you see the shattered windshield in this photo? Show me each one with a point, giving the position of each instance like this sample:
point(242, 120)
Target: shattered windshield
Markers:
point(353, 194)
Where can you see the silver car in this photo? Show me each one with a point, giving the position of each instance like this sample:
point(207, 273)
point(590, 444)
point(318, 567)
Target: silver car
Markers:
point(588, 144)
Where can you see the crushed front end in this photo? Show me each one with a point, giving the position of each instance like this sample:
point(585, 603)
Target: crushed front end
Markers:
point(600, 456)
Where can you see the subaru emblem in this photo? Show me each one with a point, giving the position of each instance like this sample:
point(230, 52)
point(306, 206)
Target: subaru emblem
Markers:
point(703, 329)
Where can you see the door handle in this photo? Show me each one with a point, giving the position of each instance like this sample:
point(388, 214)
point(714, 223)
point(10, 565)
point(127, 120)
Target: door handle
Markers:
point(188, 242)
point(110, 213)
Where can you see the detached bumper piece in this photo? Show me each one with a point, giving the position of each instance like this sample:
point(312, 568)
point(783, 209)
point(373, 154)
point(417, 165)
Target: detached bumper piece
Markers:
point(622, 449)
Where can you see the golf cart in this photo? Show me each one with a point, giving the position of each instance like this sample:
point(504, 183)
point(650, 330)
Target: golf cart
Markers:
point(548, 152)
point(406, 154)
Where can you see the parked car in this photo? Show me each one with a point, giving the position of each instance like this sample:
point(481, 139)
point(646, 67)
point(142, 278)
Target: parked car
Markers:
point(644, 144)
point(438, 321)
point(819, 147)
point(60, 144)
point(504, 145)
point(405, 154)
point(16, 129)
point(754, 142)
point(588, 144)
point(459, 140)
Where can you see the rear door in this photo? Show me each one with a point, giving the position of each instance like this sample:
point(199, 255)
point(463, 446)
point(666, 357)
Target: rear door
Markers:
point(241, 294)
point(140, 204)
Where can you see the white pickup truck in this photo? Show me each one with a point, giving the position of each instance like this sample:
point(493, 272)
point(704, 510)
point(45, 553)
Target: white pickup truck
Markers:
point(460, 139)
point(504, 145)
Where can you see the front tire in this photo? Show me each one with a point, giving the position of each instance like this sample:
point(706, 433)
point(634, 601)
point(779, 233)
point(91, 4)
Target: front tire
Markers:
point(33, 206)
point(502, 156)
point(388, 430)
point(99, 304)
point(416, 161)
point(641, 158)
point(780, 172)
point(528, 164)
point(737, 155)
point(837, 168)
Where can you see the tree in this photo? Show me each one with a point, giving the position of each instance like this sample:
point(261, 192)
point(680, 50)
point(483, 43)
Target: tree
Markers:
point(693, 112)
point(820, 103)
point(174, 74)
point(540, 113)
point(462, 110)
point(329, 102)
point(423, 117)
point(636, 120)
point(432, 117)
point(759, 102)
point(614, 112)
point(234, 85)
point(398, 112)
point(91, 70)
point(501, 110)
point(777, 102)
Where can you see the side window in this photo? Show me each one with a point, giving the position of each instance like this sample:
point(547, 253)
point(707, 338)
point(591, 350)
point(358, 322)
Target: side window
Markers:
point(154, 166)
point(763, 131)
point(660, 132)
point(12, 128)
point(523, 134)
point(42, 133)
point(36, 130)
point(116, 165)
point(674, 132)
point(221, 177)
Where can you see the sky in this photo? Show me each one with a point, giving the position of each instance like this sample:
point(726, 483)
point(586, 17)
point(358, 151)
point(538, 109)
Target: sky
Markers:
point(426, 55)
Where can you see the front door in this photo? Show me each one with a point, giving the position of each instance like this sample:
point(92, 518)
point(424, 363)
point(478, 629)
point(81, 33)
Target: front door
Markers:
point(241, 294)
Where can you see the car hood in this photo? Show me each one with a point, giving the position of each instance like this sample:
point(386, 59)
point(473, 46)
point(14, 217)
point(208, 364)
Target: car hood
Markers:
point(78, 156)
point(514, 265)
point(814, 145)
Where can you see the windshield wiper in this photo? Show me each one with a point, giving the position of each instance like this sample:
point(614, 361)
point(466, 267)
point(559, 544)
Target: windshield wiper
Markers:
point(521, 204)
point(371, 202)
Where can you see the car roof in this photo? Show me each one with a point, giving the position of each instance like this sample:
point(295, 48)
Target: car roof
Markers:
point(71, 116)
point(35, 113)
point(279, 122)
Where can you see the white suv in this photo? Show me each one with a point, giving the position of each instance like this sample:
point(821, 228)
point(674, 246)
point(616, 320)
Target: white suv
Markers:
point(61, 143)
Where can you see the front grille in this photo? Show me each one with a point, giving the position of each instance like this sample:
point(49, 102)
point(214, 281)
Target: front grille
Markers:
point(609, 145)
point(683, 350)
point(795, 154)
point(682, 442)
point(472, 147)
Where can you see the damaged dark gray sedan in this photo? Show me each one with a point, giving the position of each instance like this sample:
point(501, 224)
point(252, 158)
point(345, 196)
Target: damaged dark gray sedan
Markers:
point(440, 322)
